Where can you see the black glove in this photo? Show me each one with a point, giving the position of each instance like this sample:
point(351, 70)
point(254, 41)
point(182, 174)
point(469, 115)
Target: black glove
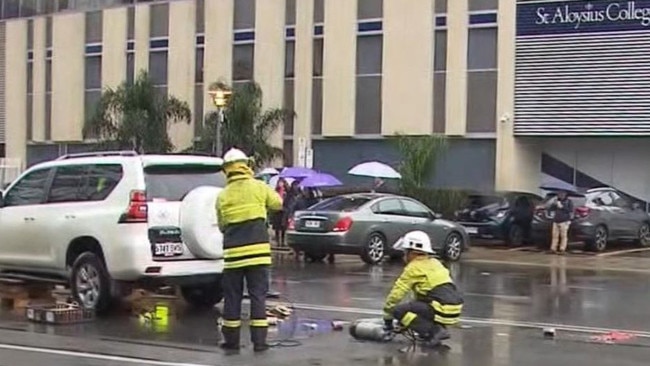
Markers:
point(388, 324)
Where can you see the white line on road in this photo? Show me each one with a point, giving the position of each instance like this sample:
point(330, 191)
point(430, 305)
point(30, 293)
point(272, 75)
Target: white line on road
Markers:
point(483, 321)
point(626, 251)
point(96, 356)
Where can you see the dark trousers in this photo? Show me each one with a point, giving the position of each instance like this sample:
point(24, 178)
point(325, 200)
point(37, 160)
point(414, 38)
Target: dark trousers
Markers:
point(257, 282)
point(418, 316)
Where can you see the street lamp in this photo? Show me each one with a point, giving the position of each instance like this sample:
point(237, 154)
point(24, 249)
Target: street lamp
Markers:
point(220, 94)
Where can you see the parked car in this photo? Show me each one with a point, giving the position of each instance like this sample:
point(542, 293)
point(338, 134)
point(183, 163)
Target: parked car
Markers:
point(108, 221)
point(368, 224)
point(601, 216)
point(503, 216)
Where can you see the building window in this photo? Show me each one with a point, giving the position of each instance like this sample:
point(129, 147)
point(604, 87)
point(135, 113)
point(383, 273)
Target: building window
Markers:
point(319, 11)
point(317, 87)
point(441, 6)
point(94, 27)
point(439, 80)
point(158, 69)
point(48, 32)
point(198, 110)
point(478, 5)
point(159, 20)
point(29, 105)
point(368, 84)
point(288, 105)
point(370, 9)
point(48, 97)
point(11, 9)
point(200, 16)
point(290, 12)
point(30, 34)
point(243, 62)
point(287, 149)
point(198, 70)
point(130, 68)
point(482, 79)
point(289, 58)
point(27, 8)
point(317, 106)
point(93, 85)
point(244, 14)
point(318, 57)
point(130, 23)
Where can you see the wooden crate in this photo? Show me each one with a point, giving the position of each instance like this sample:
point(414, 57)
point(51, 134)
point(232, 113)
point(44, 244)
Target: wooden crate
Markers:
point(16, 295)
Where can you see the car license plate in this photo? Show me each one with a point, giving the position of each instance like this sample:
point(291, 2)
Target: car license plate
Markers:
point(471, 230)
point(168, 249)
point(312, 224)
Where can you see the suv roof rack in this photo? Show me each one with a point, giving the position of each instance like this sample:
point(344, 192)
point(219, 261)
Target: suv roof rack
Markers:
point(98, 154)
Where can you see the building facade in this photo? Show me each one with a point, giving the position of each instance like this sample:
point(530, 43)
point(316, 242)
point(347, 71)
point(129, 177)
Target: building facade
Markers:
point(354, 71)
point(527, 90)
point(577, 84)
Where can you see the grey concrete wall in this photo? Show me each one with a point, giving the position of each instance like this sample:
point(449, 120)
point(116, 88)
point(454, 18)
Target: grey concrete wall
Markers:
point(467, 164)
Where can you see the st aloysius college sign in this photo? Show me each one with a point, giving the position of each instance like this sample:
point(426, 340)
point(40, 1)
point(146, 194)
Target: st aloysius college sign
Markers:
point(535, 17)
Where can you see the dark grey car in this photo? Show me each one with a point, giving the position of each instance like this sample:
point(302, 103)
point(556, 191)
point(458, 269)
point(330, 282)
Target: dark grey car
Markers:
point(368, 224)
point(602, 216)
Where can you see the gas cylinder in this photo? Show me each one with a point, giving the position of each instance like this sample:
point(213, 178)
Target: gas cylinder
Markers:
point(369, 330)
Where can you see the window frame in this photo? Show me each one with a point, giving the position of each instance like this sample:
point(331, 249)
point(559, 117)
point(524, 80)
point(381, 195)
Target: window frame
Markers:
point(376, 211)
point(428, 212)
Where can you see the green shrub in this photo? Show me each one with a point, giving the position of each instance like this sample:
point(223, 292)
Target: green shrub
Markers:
point(443, 201)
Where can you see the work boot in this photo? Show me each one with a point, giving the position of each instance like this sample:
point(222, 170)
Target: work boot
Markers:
point(260, 347)
point(436, 339)
point(230, 338)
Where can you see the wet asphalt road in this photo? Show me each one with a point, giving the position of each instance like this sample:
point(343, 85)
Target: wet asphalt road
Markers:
point(506, 309)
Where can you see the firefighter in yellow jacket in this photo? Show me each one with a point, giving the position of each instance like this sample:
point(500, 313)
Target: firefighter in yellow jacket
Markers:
point(242, 211)
point(437, 303)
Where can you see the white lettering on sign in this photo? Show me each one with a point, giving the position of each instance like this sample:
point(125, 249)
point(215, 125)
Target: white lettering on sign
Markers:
point(614, 12)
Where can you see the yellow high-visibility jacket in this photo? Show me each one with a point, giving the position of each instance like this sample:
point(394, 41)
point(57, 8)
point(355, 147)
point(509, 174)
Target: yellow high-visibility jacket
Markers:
point(421, 276)
point(242, 212)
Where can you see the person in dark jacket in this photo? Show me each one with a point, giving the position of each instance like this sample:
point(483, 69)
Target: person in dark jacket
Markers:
point(562, 213)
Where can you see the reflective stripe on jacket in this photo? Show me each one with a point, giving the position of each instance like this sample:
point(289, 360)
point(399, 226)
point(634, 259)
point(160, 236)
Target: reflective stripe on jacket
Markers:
point(242, 211)
point(420, 276)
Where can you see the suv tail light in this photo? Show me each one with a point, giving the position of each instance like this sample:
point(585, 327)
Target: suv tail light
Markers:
point(137, 210)
point(291, 225)
point(582, 212)
point(343, 224)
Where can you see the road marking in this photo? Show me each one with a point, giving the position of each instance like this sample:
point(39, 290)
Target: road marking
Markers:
point(483, 321)
point(625, 251)
point(96, 356)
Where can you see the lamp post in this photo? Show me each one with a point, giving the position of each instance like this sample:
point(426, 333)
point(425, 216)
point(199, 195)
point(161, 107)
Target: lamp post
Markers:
point(220, 94)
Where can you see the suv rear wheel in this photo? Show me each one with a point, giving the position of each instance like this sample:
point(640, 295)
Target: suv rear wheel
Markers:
point(204, 296)
point(90, 282)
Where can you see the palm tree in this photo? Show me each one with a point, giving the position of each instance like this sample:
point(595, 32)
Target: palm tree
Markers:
point(245, 125)
point(135, 116)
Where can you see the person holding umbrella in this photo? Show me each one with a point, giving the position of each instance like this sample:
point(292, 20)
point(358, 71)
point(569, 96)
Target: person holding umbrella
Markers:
point(562, 211)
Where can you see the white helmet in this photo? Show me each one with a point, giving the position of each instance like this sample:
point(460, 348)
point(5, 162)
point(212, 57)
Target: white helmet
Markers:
point(234, 155)
point(415, 240)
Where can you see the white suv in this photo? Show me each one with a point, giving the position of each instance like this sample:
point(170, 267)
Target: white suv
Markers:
point(109, 219)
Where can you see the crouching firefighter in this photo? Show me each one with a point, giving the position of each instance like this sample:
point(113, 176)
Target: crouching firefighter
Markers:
point(242, 211)
point(437, 303)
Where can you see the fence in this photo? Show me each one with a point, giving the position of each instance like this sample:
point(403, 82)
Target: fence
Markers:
point(10, 169)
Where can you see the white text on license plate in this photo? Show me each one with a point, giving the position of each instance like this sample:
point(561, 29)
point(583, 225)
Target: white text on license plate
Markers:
point(168, 249)
point(312, 223)
point(471, 230)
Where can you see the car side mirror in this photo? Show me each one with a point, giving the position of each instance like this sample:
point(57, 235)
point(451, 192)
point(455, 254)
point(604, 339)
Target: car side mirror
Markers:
point(636, 206)
point(435, 216)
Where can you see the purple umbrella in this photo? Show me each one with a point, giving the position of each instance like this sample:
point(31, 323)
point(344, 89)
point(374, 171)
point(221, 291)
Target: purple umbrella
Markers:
point(320, 180)
point(296, 172)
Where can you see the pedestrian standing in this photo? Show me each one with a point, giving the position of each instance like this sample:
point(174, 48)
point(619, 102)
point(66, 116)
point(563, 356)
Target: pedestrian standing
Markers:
point(277, 218)
point(242, 209)
point(562, 209)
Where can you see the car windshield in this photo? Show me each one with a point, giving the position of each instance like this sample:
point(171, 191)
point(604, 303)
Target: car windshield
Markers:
point(340, 203)
point(173, 182)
